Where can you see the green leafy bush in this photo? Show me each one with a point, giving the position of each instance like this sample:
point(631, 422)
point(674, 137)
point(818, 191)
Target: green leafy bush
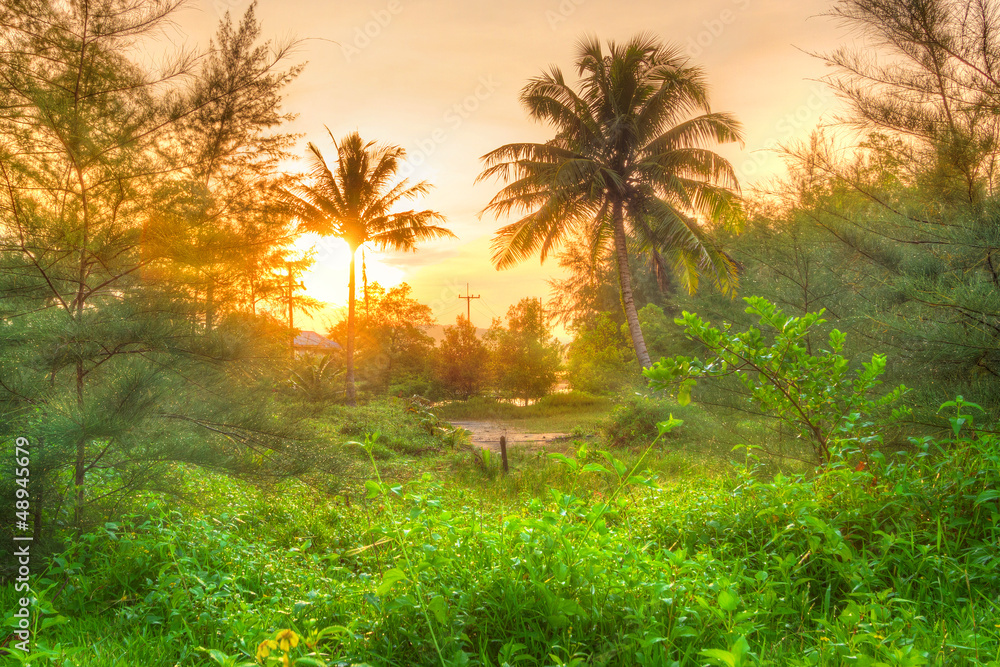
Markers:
point(829, 404)
point(572, 399)
point(632, 423)
point(403, 431)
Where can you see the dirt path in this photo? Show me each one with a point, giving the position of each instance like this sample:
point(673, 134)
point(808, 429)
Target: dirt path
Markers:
point(487, 434)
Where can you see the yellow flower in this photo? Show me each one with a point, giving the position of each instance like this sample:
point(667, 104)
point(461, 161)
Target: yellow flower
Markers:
point(264, 649)
point(284, 661)
point(286, 639)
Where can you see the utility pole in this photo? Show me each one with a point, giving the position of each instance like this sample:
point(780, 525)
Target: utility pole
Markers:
point(291, 286)
point(468, 303)
point(291, 310)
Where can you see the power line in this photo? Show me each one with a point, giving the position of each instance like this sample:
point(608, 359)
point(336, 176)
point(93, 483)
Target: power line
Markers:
point(483, 311)
point(468, 302)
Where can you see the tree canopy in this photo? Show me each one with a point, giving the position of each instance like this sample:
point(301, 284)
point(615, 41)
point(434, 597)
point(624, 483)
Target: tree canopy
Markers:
point(627, 168)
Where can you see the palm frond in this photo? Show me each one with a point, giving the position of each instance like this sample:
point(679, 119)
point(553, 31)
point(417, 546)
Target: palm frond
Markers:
point(663, 229)
point(720, 128)
point(535, 232)
point(631, 131)
point(355, 200)
point(690, 163)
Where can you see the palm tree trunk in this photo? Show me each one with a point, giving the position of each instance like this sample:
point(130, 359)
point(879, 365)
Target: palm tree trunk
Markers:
point(209, 307)
point(364, 280)
point(625, 278)
point(349, 389)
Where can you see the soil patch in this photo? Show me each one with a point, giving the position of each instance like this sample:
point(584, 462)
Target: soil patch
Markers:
point(487, 434)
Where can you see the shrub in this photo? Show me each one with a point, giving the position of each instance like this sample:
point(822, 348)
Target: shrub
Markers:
point(633, 422)
point(318, 379)
point(572, 399)
point(817, 395)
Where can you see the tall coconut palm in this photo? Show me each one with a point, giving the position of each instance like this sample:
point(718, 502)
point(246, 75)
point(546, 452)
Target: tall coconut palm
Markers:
point(356, 201)
point(627, 167)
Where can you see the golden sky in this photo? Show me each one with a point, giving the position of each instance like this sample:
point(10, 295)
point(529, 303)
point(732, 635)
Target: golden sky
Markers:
point(441, 78)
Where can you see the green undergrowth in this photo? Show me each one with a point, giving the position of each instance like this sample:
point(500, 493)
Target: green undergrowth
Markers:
point(534, 471)
point(894, 564)
point(410, 434)
point(392, 417)
point(708, 434)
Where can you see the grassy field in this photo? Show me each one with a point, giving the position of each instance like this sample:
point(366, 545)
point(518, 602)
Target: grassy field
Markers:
point(417, 551)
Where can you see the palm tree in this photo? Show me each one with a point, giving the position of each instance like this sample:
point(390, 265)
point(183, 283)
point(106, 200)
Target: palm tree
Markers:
point(627, 167)
point(355, 201)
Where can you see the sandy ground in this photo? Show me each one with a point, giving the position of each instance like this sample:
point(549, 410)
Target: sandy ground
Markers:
point(487, 434)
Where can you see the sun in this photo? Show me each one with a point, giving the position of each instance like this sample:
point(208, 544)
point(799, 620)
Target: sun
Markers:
point(327, 279)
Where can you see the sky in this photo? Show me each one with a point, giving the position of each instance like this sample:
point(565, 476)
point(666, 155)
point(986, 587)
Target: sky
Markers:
point(441, 79)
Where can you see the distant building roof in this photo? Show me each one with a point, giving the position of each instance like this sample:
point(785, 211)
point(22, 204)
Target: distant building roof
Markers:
point(311, 339)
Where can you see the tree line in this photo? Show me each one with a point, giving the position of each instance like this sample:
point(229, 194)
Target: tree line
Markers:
point(395, 355)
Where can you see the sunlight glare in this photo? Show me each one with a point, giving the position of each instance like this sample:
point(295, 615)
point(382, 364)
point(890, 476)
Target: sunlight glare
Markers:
point(327, 278)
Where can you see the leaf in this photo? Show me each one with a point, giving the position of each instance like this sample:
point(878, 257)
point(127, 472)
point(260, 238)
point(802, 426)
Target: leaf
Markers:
point(727, 601)
point(437, 606)
point(740, 648)
point(670, 424)
point(988, 494)
point(565, 460)
point(333, 630)
point(684, 394)
point(388, 580)
point(850, 616)
point(595, 467)
point(373, 490)
point(51, 621)
point(718, 656)
point(218, 656)
point(837, 340)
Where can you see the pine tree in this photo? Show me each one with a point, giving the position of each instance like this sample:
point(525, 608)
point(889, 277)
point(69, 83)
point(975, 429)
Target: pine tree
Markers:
point(102, 363)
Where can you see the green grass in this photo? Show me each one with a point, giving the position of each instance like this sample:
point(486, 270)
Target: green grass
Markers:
point(408, 434)
point(665, 557)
